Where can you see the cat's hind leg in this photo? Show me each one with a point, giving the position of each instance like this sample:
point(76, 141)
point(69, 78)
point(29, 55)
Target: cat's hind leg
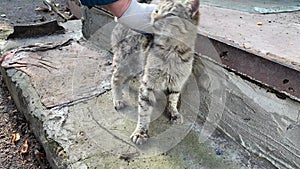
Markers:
point(173, 100)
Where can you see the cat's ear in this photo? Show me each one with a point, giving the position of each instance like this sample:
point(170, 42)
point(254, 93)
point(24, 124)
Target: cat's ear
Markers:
point(194, 7)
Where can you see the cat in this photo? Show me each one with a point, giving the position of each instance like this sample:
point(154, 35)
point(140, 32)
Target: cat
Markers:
point(163, 61)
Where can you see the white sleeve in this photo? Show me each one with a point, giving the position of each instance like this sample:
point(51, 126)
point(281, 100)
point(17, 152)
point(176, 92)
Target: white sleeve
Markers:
point(137, 16)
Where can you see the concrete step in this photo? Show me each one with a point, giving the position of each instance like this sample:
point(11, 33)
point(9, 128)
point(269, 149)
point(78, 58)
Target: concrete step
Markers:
point(65, 95)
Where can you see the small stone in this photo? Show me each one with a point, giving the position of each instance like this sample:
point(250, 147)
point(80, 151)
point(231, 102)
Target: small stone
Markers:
point(246, 46)
point(259, 23)
point(3, 15)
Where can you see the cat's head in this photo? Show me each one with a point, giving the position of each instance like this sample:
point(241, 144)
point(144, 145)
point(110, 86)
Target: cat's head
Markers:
point(169, 9)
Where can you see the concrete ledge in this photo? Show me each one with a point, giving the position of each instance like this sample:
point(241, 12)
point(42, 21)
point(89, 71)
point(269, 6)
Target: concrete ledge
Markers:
point(80, 128)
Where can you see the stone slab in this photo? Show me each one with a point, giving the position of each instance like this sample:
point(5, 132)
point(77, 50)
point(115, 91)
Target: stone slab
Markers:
point(63, 66)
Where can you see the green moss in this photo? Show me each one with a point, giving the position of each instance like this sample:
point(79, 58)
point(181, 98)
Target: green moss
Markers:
point(107, 161)
point(195, 154)
point(188, 154)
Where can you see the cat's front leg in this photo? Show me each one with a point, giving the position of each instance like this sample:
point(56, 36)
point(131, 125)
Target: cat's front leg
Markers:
point(140, 134)
point(173, 101)
point(117, 93)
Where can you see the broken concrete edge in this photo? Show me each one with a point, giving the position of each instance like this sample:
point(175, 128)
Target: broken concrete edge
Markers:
point(28, 103)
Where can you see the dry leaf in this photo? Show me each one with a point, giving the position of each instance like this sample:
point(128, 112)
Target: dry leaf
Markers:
point(25, 148)
point(16, 137)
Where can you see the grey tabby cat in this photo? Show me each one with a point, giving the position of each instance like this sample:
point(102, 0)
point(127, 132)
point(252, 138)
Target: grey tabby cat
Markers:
point(165, 60)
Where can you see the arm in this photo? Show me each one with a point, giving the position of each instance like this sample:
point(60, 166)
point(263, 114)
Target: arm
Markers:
point(127, 12)
point(116, 7)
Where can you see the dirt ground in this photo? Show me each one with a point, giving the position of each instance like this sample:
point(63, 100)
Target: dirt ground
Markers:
point(29, 11)
point(14, 153)
point(13, 123)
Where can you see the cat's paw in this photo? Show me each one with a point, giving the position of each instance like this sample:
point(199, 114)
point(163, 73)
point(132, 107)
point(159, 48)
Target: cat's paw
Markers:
point(119, 104)
point(139, 136)
point(176, 118)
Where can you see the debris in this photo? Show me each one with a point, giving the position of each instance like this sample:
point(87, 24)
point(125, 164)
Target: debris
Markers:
point(54, 8)
point(259, 23)
point(42, 9)
point(58, 150)
point(81, 133)
point(246, 46)
point(16, 137)
point(128, 156)
point(40, 158)
point(293, 125)
point(36, 30)
point(25, 148)
point(75, 8)
point(43, 19)
point(47, 4)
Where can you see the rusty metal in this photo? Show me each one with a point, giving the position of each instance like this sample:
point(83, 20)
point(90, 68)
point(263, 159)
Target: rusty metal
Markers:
point(36, 30)
point(284, 80)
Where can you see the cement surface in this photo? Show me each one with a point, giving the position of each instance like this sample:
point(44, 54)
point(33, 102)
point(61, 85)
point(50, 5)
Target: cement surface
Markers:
point(65, 95)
